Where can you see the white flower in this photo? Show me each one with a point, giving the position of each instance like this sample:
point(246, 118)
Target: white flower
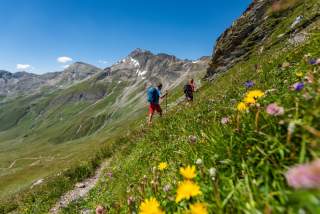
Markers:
point(198, 161)
point(167, 188)
point(226, 161)
point(291, 127)
point(213, 172)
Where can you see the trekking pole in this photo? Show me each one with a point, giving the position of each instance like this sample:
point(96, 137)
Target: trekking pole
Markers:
point(166, 101)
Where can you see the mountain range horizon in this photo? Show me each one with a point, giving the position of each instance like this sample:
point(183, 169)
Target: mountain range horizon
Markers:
point(95, 64)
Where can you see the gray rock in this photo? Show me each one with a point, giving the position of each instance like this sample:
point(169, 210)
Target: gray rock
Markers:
point(80, 185)
point(298, 39)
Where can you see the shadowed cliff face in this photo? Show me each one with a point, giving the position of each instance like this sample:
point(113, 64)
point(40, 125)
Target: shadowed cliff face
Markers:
point(237, 41)
point(252, 30)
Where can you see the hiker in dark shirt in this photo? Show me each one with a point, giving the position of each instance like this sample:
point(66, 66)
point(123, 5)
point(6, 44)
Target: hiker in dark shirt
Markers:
point(188, 89)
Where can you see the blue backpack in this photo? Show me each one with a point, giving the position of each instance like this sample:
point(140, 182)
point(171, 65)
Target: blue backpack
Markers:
point(152, 94)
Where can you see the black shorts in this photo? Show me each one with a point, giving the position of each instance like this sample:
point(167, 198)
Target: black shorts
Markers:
point(189, 97)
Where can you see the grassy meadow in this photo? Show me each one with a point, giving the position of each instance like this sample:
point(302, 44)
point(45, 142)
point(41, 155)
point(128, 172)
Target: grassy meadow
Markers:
point(240, 156)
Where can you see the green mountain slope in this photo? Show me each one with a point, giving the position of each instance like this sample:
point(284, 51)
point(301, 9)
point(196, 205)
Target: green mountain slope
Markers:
point(250, 154)
point(51, 131)
point(240, 163)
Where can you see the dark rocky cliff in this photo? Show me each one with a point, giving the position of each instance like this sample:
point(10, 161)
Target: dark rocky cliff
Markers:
point(254, 28)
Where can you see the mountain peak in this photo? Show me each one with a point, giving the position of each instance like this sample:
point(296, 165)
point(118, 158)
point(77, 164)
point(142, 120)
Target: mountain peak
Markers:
point(80, 66)
point(5, 74)
point(139, 51)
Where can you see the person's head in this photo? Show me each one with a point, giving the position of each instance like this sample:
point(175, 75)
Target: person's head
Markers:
point(159, 86)
point(191, 81)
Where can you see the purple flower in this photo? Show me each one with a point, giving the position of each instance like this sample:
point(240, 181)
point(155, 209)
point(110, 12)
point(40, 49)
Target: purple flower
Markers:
point(304, 176)
point(274, 109)
point(249, 84)
point(298, 86)
point(312, 61)
point(225, 120)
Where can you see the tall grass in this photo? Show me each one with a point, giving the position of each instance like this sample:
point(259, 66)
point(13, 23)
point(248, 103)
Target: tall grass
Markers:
point(250, 154)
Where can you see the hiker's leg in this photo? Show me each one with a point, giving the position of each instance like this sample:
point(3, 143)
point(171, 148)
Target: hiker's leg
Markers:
point(151, 112)
point(150, 118)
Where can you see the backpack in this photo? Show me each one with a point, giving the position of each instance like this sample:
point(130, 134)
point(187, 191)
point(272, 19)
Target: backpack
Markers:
point(152, 95)
point(188, 89)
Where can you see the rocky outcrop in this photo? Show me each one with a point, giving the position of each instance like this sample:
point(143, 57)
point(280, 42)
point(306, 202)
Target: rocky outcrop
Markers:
point(256, 25)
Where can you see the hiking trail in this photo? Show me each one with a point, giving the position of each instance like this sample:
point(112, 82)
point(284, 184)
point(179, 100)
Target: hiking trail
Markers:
point(80, 190)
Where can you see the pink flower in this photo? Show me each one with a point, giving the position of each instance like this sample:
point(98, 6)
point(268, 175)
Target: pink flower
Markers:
point(192, 139)
point(304, 176)
point(274, 109)
point(100, 210)
point(130, 200)
point(109, 174)
point(225, 120)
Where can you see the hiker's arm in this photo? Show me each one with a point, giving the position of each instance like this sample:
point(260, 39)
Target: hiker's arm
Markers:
point(163, 96)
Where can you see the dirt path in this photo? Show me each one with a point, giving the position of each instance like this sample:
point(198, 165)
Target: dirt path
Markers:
point(36, 159)
point(80, 190)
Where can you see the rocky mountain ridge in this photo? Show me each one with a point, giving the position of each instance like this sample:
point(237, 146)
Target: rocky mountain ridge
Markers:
point(138, 65)
point(257, 26)
point(24, 83)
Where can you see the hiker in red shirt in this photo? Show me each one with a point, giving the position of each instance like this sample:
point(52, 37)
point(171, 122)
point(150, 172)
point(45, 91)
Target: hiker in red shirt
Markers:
point(189, 88)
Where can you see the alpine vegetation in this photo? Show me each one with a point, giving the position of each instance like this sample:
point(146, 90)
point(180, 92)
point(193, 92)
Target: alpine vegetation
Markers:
point(239, 131)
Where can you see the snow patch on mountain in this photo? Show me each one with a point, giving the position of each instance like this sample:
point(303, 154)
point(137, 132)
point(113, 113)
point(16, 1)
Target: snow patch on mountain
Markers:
point(134, 62)
point(141, 72)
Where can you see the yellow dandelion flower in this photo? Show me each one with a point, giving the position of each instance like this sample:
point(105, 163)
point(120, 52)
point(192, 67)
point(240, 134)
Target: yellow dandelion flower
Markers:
point(186, 190)
point(162, 166)
point(242, 106)
point(150, 206)
point(249, 100)
point(198, 208)
point(299, 74)
point(255, 94)
point(189, 172)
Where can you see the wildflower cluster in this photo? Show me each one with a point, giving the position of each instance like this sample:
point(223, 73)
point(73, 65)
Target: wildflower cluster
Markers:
point(236, 168)
point(250, 99)
point(186, 191)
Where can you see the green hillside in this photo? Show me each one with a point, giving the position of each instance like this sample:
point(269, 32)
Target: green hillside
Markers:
point(250, 154)
point(46, 133)
point(240, 153)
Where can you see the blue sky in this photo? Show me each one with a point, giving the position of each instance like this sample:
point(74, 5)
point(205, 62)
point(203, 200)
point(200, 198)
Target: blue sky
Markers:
point(35, 33)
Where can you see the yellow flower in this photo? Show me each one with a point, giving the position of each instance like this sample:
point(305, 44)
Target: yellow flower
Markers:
point(150, 206)
point(162, 166)
point(255, 94)
point(186, 190)
point(299, 74)
point(249, 100)
point(189, 172)
point(198, 208)
point(242, 106)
